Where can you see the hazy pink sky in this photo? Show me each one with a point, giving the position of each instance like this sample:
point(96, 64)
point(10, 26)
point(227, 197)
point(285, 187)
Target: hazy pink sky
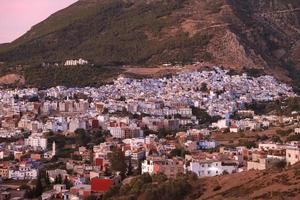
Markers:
point(18, 16)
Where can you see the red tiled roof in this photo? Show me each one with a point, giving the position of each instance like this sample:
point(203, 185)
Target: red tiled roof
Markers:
point(101, 184)
point(99, 162)
point(234, 126)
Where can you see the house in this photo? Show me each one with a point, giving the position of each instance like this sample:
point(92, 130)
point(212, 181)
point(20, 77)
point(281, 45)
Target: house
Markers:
point(153, 123)
point(292, 155)
point(136, 154)
point(261, 163)
point(99, 162)
point(76, 123)
point(36, 141)
point(269, 146)
point(171, 124)
point(18, 155)
point(170, 167)
point(221, 124)
point(55, 173)
point(5, 195)
point(23, 173)
point(82, 191)
point(59, 187)
point(56, 124)
point(35, 156)
point(297, 130)
point(211, 167)
point(234, 129)
point(195, 134)
point(75, 62)
point(191, 146)
point(101, 185)
point(262, 160)
point(207, 144)
point(124, 131)
point(4, 171)
point(266, 124)
point(48, 195)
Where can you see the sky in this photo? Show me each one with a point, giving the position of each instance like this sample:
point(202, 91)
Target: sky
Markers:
point(18, 16)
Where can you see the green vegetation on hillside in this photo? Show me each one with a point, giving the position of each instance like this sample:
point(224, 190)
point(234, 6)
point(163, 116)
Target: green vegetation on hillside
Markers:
point(279, 107)
point(113, 33)
point(146, 187)
point(69, 76)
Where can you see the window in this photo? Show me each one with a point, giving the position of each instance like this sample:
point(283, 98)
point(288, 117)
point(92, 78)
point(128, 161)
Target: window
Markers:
point(216, 164)
point(208, 172)
point(217, 172)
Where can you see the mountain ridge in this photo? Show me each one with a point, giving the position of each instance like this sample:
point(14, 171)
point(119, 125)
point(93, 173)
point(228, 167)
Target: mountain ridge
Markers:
point(239, 35)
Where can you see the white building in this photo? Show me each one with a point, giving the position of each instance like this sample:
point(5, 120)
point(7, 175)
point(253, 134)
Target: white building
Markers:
point(36, 142)
point(57, 124)
point(169, 167)
point(263, 163)
point(136, 155)
point(125, 132)
point(292, 155)
point(221, 124)
point(23, 173)
point(80, 61)
point(269, 146)
point(210, 167)
point(76, 123)
point(297, 130)
point(55, 173)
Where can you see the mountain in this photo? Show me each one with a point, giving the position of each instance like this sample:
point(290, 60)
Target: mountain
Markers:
point(237, 34)
point(275, 184)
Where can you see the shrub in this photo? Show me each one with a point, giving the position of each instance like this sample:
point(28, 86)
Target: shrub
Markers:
point(281, 164)
point(218, 187)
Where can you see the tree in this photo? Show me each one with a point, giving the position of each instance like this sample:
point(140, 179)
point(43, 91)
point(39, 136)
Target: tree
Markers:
point(203, 87)
point(138, 170)
point(122, 98)
point(276, 139)
point(129, 168)
point(39, 187)
point(160, 178)
point(147, 131)
point(47, 179)
point(294, 138)
point(247, 143)
point(178, 152)
point(283, 133)
point(99, 137)
point(68, 183)
point(117, 160)
point(91, 198)
point(81, 137)
point(202, 115)
point(30, 193)
point(261, 138)
point(280, 164)
point(162, 133)
point(58, 179)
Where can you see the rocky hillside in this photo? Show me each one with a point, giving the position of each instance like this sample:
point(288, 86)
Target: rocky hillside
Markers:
point(273, 184)
point(237, 34)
